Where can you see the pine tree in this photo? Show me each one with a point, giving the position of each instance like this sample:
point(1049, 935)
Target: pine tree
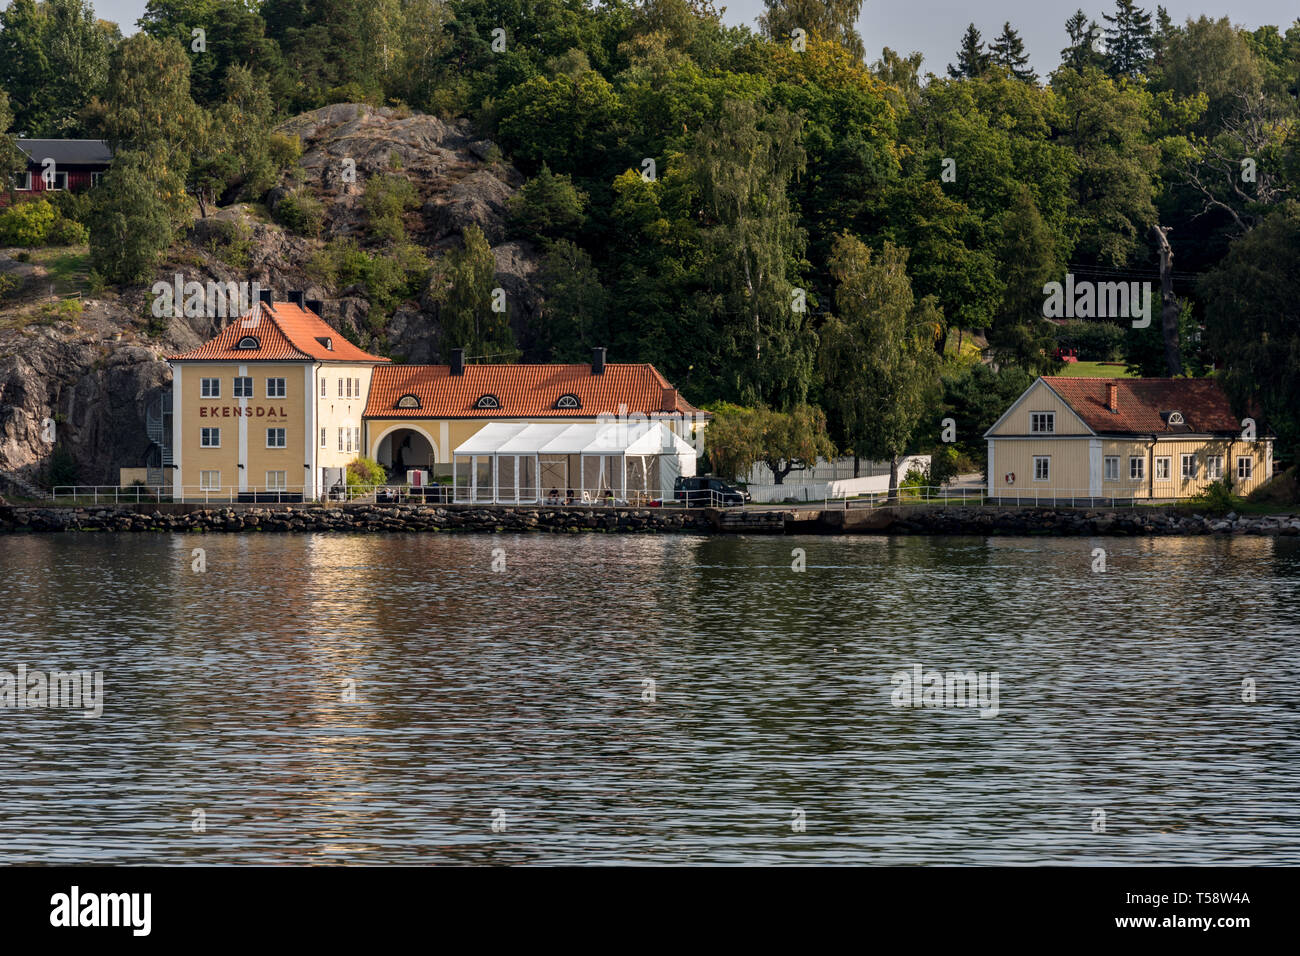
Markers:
point(1084, 34)
point(972, 58)
point(1008, 51)
point(1128, 39)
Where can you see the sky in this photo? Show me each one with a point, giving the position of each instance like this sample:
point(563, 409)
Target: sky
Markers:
point(935, 26)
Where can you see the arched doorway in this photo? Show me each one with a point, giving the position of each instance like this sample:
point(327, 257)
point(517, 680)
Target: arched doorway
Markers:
point(402, 449)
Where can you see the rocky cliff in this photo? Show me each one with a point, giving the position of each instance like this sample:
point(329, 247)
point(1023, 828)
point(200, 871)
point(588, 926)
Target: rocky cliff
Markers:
point(92, 362)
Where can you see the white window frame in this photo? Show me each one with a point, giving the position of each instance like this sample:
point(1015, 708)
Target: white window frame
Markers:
point(1110, 468)
point(56, 187)
point(1249, 470)
point(1189, 474)
point(204, 436)
point(1042, 423)
point(340, 388)
point(348, 388)
point(1137, 468)
point(243, 386)
point(205, 480)
point(1214, 467)
point(356, 439)
point(209, 388)
point(23, 182)
point(340, 438)
point(324, 437)
point(95, 179)
point(1046, 461)
point(281, 433)
point(280, 484)
point(323, 393)
point(272, 391)
point(356, 387)
point(1168, 464)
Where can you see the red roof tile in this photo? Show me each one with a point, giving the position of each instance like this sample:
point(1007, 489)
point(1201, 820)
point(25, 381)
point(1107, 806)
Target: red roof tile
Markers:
point(284, 332)
point(1144, 404)
point(522, 391)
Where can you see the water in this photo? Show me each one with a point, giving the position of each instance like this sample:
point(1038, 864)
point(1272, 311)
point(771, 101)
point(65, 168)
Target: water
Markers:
point(518, 697)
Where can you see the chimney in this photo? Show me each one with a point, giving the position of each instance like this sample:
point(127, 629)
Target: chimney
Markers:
point(669, 403)
point(295, 296)
point(1113, 403)
point(266, 295)
point(315, 305)
point(598, 361)
point(457, 361)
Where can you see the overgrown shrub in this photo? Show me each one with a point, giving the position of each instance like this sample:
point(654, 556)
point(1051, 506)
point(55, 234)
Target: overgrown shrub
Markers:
point(9, 284)
point(67, 232)
point(301, 213)
point(27, 224)
point(231, 243)
point(363, 472)
point(386, 199)
point(1217, 498)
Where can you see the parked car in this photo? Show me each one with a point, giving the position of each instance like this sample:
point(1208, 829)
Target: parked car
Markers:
point(704, 491)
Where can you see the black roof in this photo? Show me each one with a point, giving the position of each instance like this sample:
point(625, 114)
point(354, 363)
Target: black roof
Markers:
point(67, 152)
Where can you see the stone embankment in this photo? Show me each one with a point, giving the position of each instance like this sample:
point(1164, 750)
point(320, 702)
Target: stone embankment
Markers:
point(356, 518)
point(398, 518)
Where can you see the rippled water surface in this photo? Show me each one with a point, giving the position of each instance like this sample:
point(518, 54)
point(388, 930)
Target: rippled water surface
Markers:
point(520, 696)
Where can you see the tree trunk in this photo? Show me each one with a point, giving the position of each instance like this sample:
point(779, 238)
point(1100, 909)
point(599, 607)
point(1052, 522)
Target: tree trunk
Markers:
point(855, 464)
point(1168, 302)
point(894, 462)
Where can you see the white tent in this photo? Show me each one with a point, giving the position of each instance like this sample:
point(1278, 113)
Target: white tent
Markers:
point(519, 463)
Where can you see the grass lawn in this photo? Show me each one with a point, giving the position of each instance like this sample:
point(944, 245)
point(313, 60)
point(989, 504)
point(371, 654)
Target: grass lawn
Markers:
point(67, 269)
point(1095, 370)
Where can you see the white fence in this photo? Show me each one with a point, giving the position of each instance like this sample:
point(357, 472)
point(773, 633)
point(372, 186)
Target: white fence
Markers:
point(810, 491)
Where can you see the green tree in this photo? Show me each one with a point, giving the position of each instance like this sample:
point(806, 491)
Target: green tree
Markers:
point(740, 166)
point(972, 59)
point(462, 287)
point(130, 221)
point(548, 206)
point(1084, 35)
point(12, 160)
point(573, 318)
point(1252, 323)
point(877, 353)
point(1128, 39)
point(1008, 52)
point(833, 20)
point(793, 440)
point(386, 200)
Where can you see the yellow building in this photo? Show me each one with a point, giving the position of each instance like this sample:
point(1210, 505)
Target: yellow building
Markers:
point(270, 408)
point(1068, 439)
point(278, 403)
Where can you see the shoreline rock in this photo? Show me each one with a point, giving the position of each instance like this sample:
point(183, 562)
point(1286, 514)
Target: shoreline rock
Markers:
point(370, 518)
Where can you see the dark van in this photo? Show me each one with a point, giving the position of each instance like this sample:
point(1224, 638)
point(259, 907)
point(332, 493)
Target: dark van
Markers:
point(705, 491)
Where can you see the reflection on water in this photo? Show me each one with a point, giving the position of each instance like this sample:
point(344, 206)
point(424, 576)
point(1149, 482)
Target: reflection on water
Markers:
point(524, 691)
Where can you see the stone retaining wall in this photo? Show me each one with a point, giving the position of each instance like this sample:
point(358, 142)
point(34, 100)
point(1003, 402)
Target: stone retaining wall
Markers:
point(390, 518)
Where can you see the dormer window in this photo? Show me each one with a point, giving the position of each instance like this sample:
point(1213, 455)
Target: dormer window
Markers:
point(248, 342)
point(408, 401)
point(326, 341)
point(568, 401)
point(1176, 418)
point(487, 401)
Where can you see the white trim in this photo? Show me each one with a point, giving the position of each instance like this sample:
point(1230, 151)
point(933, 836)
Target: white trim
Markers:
point(444, 439)
point(241, 471)
point(375, 441)
point(178, 428)
point(309, 373)
point(1036, 460)
point(992, 476)
point(277, 428)
point(1095, 473)
point(1025, 394)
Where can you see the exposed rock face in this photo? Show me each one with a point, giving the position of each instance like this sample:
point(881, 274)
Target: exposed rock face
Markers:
point(95, 373)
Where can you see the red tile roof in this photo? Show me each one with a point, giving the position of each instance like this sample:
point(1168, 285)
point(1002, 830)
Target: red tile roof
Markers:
point(1144, 404)
point(522, 391)
point(285, 333)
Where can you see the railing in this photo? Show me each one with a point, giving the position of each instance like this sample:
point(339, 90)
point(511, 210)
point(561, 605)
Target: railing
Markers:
point(1011, 497)
point(384, 494)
